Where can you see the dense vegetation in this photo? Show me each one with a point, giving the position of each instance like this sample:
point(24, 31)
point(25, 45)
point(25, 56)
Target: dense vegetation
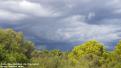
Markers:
point(91, 54)
point(13, 47)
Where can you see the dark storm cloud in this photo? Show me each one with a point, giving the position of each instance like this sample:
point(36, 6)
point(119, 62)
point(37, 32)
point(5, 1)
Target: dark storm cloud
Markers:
point(103, 9)
point(67, 21)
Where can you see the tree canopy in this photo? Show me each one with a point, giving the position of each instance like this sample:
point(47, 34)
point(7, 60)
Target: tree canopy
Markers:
point(13, 47)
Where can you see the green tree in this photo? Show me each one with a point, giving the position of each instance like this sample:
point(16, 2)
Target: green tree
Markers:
point(28, 48)
point(92, 47)
point(56, 53)
point(13, 47)
point(117, 49)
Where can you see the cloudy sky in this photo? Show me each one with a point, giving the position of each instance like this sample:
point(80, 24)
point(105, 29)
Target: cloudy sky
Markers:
point(63, 23)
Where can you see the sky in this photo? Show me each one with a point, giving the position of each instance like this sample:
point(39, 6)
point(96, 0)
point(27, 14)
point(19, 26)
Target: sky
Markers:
point(61, 24)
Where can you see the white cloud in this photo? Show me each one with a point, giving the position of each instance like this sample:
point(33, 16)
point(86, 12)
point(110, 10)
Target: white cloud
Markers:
point(10, 16)
point(91, 15)
point(78, 30)
point(27, 7)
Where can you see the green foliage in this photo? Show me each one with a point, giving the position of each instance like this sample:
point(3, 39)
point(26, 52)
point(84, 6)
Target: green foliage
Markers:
point(13, 47)
point(91, 54)
point(118, 49)
point(90, 47)
point(28, 48)
point(56, 52)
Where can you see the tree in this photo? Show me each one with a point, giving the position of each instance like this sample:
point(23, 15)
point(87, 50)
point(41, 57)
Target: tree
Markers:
point(56, 53)
point(92, 47)
point(13, 47)
point(28, 48)
point(117, 49)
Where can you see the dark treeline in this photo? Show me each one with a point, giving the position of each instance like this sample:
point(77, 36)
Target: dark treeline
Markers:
point(91, 54)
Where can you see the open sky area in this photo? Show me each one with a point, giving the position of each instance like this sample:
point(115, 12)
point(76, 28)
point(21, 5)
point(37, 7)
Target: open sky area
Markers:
point(61, 24)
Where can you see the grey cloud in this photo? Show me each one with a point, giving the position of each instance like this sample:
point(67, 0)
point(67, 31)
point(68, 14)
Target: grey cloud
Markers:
point(67, 21)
